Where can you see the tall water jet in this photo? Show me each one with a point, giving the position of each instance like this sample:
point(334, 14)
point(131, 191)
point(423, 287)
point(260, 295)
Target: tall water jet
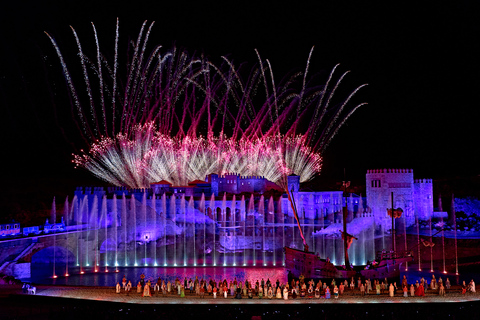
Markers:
point(115, 229)
point(155, 232)
point(323, 215)
point(443, 243)
point(133, 213)
point(53, 217)
point(223, 229)
point(272, 231)
point(145, 233)
point(405, 236)
point(124, 224)
point(417, 222)
point(251, 213)
point(105, 222)
point(431, 241)
point(84, 247)
point(77, 219)
point(214, 225)
point(204, 215)
point(66, 212)
point(331, 219)
point(454, 218)
point(183, 213)
point(309, 222)
point(440, 209)
point(173, 217)
point(281, 218)
point(233, 226)
point(90, 226)
point(244, 222)
point(191, 214)
point(96, 224)
point(261, 224)
point(164, 223)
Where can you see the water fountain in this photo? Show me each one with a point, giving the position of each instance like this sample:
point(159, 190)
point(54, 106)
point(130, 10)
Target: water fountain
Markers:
point(454, 218)
point(66, 214)
point(115, 230)
point(53, 217)
point(124, 224)
point(145, 230)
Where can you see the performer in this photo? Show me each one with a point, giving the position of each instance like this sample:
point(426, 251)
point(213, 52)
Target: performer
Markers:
point(124, 282)
point(412, 290)
point(433, 283)
point(441, 290)
point(335, 292)
point(327, 293)
point(317, 292)
point(279, 293)
point(139, 287)
point(420, 292)
point(391, 289)
point(146, 290)
point(472, 286)
point(118, 288)
point(294, 293)
point(182, 291)
point(270, 292)
point(285, 293)
point(215, 293)
point(128, 287)
point(164, 288)
point(310, 292)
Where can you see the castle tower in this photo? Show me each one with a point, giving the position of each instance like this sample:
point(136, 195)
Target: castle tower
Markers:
point(213, 179)
point(293, 182)
point(380, 185)
point(424, 198)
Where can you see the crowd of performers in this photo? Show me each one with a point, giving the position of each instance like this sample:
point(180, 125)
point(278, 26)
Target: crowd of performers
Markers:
point(296, 288)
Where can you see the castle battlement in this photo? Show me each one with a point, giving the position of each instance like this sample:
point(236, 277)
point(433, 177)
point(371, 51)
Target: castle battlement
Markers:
point(423, 181)
point(390, 171)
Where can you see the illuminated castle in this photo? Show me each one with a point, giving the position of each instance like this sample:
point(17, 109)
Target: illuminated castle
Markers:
point(234, 220)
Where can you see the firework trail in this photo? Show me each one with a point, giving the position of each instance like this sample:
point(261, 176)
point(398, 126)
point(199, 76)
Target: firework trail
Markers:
point(178, 117)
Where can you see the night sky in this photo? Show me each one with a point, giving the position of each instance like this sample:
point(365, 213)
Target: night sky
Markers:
point(420, 60)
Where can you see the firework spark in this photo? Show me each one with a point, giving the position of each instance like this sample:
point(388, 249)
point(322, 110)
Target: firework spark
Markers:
point(179, 118)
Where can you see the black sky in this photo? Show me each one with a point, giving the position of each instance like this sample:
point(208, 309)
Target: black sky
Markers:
point(420, 59)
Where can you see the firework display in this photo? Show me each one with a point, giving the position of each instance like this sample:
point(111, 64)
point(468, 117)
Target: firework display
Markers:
point(178, 117)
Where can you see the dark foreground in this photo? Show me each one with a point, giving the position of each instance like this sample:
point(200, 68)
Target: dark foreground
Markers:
point(104, 303)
